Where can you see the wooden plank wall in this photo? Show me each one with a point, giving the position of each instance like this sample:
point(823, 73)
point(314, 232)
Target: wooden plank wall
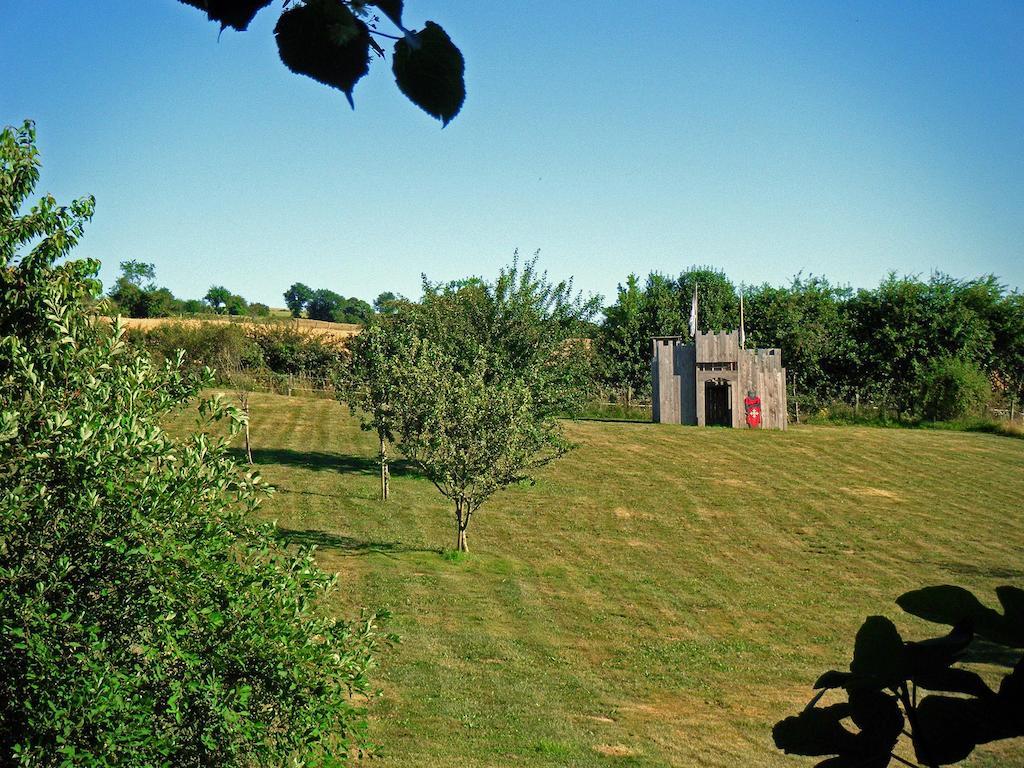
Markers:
point(665, 382)
point(761, 370)
point(686, 367)
point(721, 347)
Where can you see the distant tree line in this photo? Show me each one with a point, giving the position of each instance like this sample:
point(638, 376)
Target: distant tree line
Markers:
point(322, 304)
point(136, 294)
point(910, 348)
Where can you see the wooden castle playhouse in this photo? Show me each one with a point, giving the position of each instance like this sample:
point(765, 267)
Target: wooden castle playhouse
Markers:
point(704, 382)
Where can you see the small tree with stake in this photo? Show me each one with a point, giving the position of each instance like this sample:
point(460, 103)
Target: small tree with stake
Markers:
point(372, 383)
point(472, 436)
point(497, 364)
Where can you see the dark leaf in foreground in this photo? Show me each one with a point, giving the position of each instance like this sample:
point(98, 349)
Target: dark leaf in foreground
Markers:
point(430, 71)
point(954, 681)
point(325, 41)
point(237, 14)
point(879, 718)
point(939, 652)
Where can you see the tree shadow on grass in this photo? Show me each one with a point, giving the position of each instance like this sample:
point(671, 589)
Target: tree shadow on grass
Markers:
point(613, 420)
point(988, 572)
point(982, 651)
point(346, 545)
point(319, 461)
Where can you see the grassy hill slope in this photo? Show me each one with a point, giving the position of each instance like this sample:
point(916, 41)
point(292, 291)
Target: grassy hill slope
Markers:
point(660, 598)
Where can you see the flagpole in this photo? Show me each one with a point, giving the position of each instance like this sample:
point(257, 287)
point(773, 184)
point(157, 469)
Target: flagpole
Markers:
point(743, 331)
point(693, 313)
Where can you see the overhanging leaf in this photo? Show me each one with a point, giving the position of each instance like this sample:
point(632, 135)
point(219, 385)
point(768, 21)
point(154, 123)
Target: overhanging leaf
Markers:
point(237, 14)
point(430, 71)
point(1011, 698)
point(833, 679)
point(880, 721)
point(947, 729)
point(324, 40)
point(1012, 600)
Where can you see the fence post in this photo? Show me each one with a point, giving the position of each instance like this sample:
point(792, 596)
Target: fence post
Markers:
point(796, 399)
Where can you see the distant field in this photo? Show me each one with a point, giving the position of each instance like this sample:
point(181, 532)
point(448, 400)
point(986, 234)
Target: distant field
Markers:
point(660, 598)
point(339, 331)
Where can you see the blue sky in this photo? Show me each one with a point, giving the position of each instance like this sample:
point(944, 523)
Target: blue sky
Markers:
point(846, 139)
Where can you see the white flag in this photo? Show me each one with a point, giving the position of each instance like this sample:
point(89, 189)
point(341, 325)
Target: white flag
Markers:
point(693, 314)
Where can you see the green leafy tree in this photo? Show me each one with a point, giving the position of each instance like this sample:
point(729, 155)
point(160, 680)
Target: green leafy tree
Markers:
point(129, 291)
point(902, 326)
point(473, 434)
point(331, 41)
point(497, 363)
point(385, 303)
point(914, 689)
point(624, 347)
point(953, 389)
point(529, 326)
point(128, 298)
point(135, 272)
point(352, 310)
point(134, 298)
point(718, 305)
point(218, 297)
point(146, 618)
point(807, 320)
point(236, 305)
point(297, 297)
point(1008, 323)
point(664, 313)
point(323, 305)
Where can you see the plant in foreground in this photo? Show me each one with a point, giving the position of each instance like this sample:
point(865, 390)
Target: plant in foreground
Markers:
point(146, 618)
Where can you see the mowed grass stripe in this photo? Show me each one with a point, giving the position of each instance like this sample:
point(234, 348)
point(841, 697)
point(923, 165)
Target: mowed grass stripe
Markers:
point(659, 598)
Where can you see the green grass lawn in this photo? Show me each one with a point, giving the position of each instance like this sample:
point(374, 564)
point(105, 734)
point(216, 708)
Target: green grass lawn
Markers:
point(661, 597)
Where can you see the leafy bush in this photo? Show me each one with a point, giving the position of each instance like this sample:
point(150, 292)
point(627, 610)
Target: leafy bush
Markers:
point(222, 346)
point(146, 618)
point(953, 388)
point(232, 349)
point(286, 349)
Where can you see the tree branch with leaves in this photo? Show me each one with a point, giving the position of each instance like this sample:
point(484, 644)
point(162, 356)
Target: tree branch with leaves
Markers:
point(332, 42)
